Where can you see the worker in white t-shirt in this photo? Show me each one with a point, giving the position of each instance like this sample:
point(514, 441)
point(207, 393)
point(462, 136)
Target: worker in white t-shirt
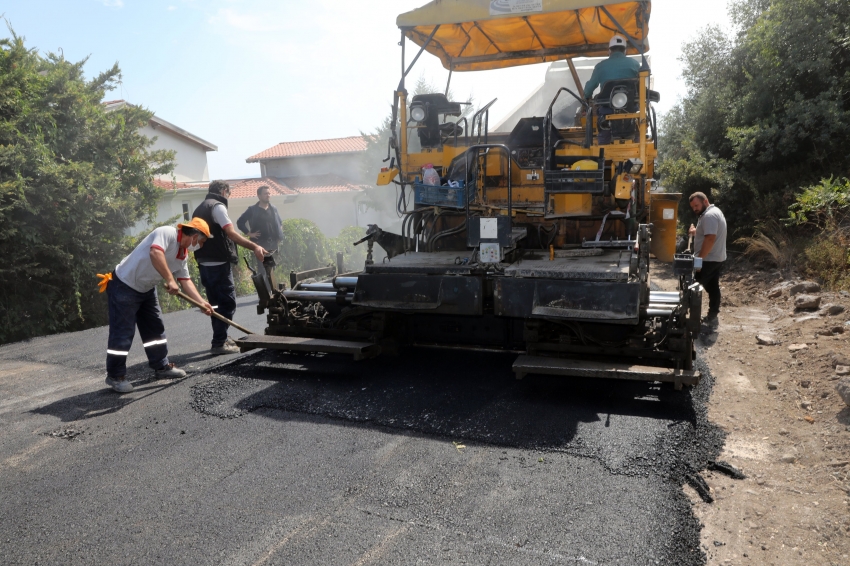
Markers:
point(133, 302)
point(709, 244)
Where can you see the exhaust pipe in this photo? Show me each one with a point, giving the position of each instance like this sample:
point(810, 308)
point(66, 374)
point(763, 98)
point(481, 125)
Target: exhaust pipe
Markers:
point(349, 282)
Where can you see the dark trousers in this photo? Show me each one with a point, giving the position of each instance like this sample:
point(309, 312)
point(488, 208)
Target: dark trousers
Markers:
point(129, 309)
point(221, 294)
point(709, 278)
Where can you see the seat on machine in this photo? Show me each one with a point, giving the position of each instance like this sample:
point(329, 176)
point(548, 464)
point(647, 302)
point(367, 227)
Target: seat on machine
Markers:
point(621, 96)
point(526, 141)
point(436, 105)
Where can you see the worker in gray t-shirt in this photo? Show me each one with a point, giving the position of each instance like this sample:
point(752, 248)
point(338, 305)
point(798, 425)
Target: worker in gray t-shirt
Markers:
point(709, 244)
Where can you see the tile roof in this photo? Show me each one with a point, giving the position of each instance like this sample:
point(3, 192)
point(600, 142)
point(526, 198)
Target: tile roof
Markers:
point(169, 184)
point(247, 188)
point(319, 184)
point(280, 186)
point(352, 144)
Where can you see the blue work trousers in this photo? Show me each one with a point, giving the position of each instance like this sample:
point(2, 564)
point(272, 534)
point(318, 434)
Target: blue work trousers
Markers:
point(129, 309)
point(221, 294)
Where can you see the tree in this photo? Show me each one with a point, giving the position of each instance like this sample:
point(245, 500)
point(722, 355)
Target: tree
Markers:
point(767, 111)
point(73, 178)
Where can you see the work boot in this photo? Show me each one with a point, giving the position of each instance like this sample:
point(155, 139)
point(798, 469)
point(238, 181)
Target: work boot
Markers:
point(711, 320)
point(119, 384)
point(169, 372)
point(225, 348)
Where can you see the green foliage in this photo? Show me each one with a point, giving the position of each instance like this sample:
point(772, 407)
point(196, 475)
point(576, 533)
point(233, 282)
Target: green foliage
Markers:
point(826, 258)
point(73, 177)
point(767, 110)
point(824, 205)
point(353, 257)
point(305, 247)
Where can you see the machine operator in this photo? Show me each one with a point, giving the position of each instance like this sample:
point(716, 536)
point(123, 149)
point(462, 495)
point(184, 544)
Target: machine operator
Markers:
point(616, 67)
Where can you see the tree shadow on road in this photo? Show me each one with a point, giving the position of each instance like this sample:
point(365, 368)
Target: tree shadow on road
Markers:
point(453, 394)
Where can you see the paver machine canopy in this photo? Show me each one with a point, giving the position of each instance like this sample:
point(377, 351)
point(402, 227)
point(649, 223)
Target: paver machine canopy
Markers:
point(477, 35)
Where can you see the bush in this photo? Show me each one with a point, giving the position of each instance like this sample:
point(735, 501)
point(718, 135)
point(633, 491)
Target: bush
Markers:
point(353, 257)
point(826, 258)
point(73, 177)
point(771, 242)
point(825, 205)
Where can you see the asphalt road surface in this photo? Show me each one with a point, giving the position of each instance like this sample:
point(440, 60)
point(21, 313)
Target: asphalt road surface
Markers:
point(431, 457)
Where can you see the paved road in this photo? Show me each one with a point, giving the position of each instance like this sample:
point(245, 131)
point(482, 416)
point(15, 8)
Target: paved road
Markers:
point(431, 457)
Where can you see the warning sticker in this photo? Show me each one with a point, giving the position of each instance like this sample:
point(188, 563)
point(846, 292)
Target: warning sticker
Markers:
point(499, 7)
point(668, 214)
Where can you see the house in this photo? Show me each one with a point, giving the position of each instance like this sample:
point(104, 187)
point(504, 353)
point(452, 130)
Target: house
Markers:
point(324, 177)
point(187, 185)
point(338, 156)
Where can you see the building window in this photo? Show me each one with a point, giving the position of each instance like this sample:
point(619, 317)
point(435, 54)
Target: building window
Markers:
point(186, 211)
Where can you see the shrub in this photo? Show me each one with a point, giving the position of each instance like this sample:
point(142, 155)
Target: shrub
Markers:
point(825, 205)
point(826, 258)
point(770, 242)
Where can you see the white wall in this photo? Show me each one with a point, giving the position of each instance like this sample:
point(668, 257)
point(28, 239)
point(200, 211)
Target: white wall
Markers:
point(191, 159)
point(331, 212)
point(171, 205)
point(346, 165)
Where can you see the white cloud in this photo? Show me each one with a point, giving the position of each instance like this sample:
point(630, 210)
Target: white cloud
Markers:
point(171, 8)
point(114, 3)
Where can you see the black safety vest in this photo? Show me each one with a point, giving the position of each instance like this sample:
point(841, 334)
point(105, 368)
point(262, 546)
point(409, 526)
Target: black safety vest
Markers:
point(219, 247)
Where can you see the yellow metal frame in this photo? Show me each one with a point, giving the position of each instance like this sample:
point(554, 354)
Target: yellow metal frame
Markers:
point(528, 190)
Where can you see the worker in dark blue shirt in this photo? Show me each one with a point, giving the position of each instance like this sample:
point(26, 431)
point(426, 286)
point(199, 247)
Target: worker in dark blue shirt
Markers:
point(616, 67)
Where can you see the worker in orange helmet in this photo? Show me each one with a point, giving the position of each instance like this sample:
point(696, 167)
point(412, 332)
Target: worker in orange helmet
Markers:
point(133, 302)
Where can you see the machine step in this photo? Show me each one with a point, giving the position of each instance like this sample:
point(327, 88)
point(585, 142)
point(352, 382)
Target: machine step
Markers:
point(526, 364)
point(360, 350)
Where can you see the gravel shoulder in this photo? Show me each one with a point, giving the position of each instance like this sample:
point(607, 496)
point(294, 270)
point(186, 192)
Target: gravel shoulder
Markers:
point(786, 427)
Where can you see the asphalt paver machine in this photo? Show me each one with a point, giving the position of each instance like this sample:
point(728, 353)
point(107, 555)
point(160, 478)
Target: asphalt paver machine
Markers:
point(535, 241)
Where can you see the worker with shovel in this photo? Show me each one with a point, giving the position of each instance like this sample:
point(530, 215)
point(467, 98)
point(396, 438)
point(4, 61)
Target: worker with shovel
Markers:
point(133, 302)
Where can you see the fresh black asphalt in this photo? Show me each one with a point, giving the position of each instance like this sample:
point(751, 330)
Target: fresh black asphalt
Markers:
point(429, 457)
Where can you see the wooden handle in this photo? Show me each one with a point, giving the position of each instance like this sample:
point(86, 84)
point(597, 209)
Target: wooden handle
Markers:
point(184, 296)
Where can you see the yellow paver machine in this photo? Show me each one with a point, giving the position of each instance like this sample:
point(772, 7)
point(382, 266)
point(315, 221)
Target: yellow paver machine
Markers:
point(535, 241)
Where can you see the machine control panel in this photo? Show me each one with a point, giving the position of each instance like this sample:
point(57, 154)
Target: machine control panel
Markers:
point(490, 252)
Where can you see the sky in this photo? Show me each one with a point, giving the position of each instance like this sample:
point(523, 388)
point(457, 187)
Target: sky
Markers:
point(248, 74)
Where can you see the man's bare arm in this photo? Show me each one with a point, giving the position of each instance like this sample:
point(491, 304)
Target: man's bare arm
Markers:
point(190, 290)
point(159, 263)
point(241, 240)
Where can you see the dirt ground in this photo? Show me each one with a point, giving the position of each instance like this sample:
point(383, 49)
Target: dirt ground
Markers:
point(788, 429)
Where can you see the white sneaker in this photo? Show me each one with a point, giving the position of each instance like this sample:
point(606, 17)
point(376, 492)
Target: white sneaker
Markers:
point(119, 384)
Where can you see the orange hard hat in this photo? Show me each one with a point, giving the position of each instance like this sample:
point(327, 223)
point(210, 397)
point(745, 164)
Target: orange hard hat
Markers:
point(198, 224)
